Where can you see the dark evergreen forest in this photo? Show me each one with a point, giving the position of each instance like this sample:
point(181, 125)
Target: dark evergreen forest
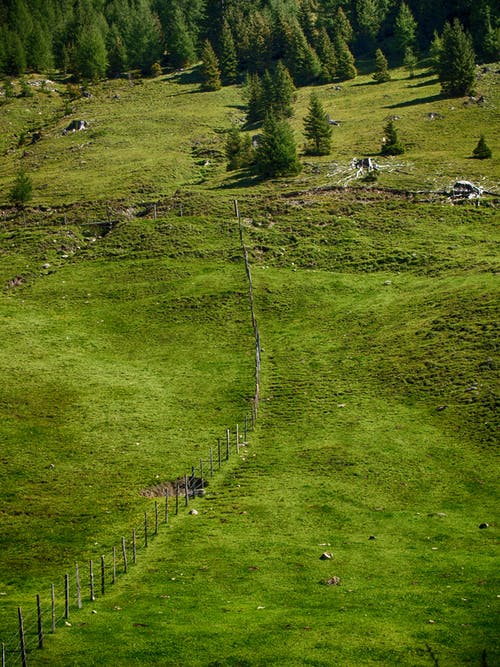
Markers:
point(317, 40)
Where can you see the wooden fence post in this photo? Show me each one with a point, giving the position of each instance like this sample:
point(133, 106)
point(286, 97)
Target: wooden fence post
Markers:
point(146, 528)
point(227, 444)
point(39, 618)
point(92, 592)
point(113, 576)
point(78, 587)
point(53, 608)
point(156, 517)
point(21, 636)
point(211, 462)
point(177, 497)
point(3, 654)
point(134, 547)
point(237, 439)
point(186, 490)
point(103, 577)
point(66, 596)
point(124, 553)
point(166, 505)
point(246, 428)
point(201, 474)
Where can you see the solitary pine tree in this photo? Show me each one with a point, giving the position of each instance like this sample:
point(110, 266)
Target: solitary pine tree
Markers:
point(22, 189)
point(391, 144)
point(457, 62)
point(381, 73)
point(210, 68)
point(317, 129)
point(277, 153)
point(482, 151)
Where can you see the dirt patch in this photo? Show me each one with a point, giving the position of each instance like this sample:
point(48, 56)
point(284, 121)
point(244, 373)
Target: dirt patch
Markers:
point(196, 487)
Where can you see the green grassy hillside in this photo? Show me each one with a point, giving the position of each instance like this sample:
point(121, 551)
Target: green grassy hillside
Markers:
point(127, 350)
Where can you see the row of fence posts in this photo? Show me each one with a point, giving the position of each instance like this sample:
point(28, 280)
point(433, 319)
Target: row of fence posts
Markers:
point(31, 629)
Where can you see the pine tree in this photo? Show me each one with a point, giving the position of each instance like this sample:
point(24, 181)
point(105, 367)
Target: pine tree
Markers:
point(410, 61)
point(22, 189)
point(180, 46)
point(210, 68)
point(227, 58)
point(317, 129)
point(457, 63)
point(91, 55)
point(435, 51)
point(276, 154)
point(117, 53)
point(327, 56)
point(283, 92)
point(391, 144)
point(405, 28)
point(381, 74)
point(343, 27)
point(255, 98)
point(482, 151)
point(238, 149)
point(346, 68)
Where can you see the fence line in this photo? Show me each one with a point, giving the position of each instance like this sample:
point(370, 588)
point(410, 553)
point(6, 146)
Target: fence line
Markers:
point(30, 633)
point(255, 326)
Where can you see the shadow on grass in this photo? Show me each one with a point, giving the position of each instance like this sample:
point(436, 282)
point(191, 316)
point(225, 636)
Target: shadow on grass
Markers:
point(411, 103)
point(430, 82)
point(243, 179)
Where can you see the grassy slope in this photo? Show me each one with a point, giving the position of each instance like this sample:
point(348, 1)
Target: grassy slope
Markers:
point(105, 344)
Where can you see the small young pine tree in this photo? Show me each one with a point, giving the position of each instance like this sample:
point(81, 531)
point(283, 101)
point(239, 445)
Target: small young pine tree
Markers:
point(22, 189)
point(210, 68)
point(482, 151)
point(381, 74)
point(238, 149)
point(276, 154)
point(410, 61)
point(391, 144)
point(317, 129)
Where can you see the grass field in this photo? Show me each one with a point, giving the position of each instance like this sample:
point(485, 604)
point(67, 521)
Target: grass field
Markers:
point(127, 350)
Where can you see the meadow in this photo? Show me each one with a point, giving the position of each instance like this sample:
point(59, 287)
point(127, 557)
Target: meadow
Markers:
point(128, 350)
